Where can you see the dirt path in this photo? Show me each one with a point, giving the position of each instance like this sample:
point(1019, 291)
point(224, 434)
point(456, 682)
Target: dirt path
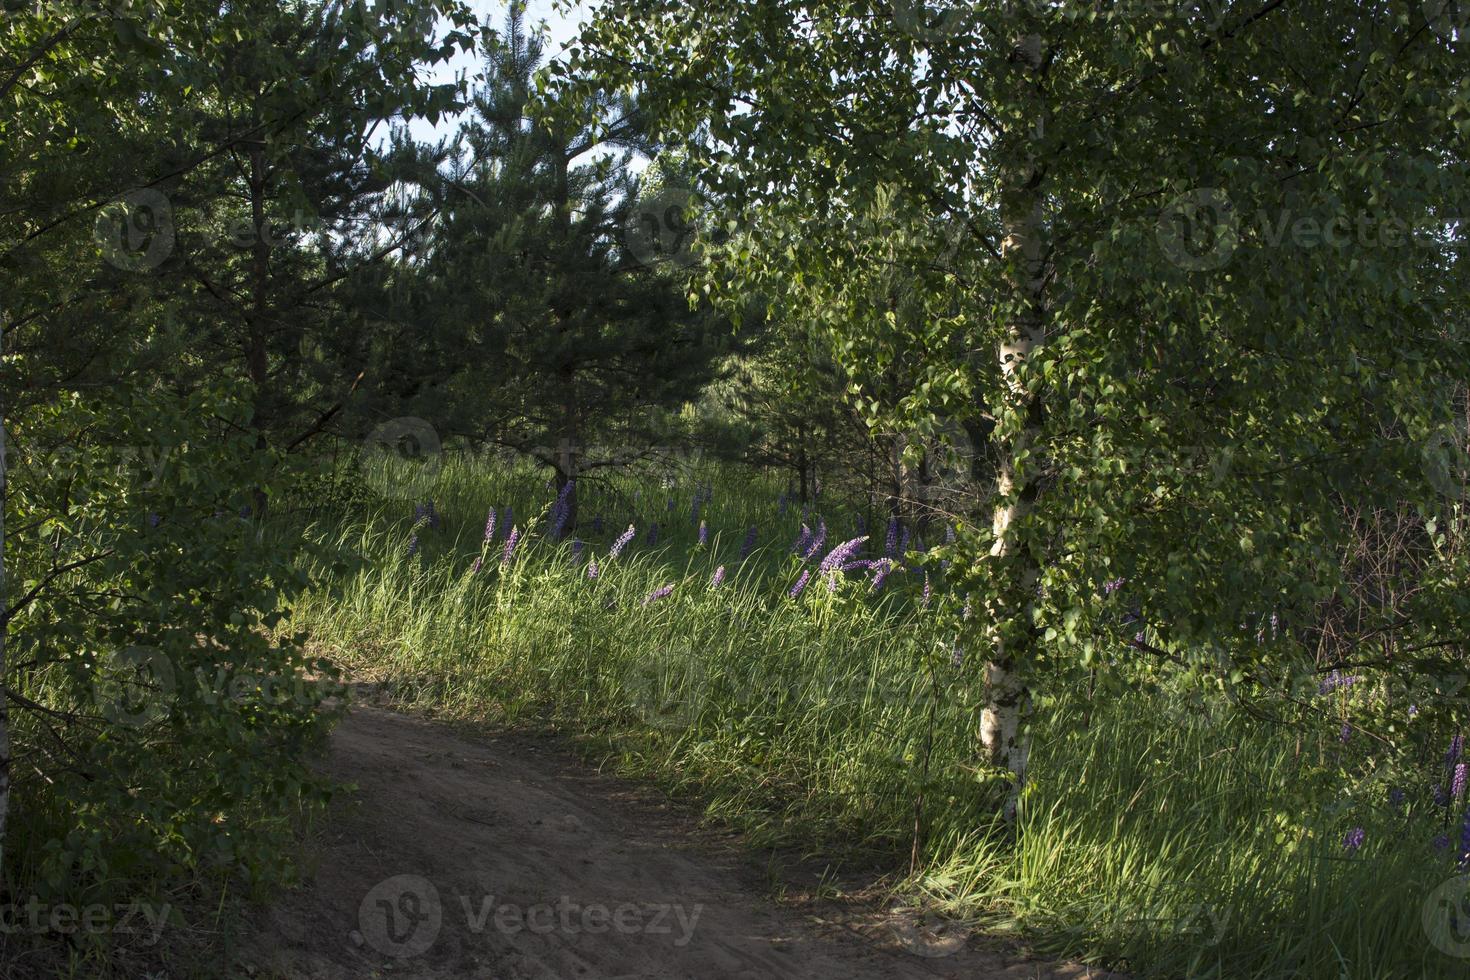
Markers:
point(505, 858)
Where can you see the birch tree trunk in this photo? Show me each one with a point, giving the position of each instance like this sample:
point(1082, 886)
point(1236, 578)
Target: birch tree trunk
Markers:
point(1012, 630)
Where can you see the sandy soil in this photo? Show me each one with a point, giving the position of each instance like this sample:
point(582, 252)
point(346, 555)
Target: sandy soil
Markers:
point(504, 857)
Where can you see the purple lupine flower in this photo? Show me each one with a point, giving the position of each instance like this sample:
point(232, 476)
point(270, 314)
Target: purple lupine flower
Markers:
point(1441, 798)
point(969, 608)
point(949, 538)
point(718, 579)
point(1441, 842)
point(862, 564)
point(956, 653)
point(621, 543)
point(1457, 745)
point(781, 505)
point(840, 554)
point(890, 545)
point(1413, 710)
point(1457, 782)
point(801, 540)
point(1353, 839)
point(903, 542)
point(509, 517)
point(883, 568)
point(670, 508)
point(800, 585)
point(818, 539)
point(1113, 585)
point(749, 545)
point(577, 547)
point(1345, 734)
point(413, 545)
point(703, 534)
point(1335, 680)
point(1138, 637)
point(597, 524)
point(490, 525)
point(510, 545)
point(1396, 797)
point(592, 568)
point(561, 511)
point(653, 535)
point(694, 510)
point(924, 601)
point(154, 520)
point(476, 566)
point(657, 594)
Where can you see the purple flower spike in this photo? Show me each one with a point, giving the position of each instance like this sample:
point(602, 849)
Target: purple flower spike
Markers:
point(1457, 783)
point(800, 585)
point(749, 545)
point(840, 554)
point(561, 511)
point(653, 536)
point(1396, 797)
point(818, 539)
point(781, 505)
point(592, 568)
point(903, 543)
point(413, 545)
point(658, 594)
point(476, 566)
point(1457, 745)
point(577, 547)
point(890, 544)
point(703, 534)
point(1353, 839)
point(1113, 585)
point(1346, 733)
point(969, 609)
point(880, 576)
point(597, 524)
point(956, 654)
point(718, 579)
point(511, 540)
point(621, 543)
point(490, 525)
point(802, 540)
point(924, 602)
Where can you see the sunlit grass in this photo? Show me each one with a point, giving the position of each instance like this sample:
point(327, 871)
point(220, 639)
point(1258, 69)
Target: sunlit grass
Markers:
point(1157, 837)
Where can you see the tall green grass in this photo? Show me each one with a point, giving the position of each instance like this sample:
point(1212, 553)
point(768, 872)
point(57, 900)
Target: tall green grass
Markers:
point(1162, 832)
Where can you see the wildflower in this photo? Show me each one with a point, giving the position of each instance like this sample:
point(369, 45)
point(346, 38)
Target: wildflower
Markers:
point(658, 594)
point(670, 508)
point(1346, 733)
point(597, 524)
point(861, 564)
point(1113, 585)
point(1413, 710)
point(800, 585)
point(1396, 797)
point(1457, 782)
point(949, 539)
point(956, 653)
point(802, 540)
point(703, 534)
point(840, 554)
point(818, 539)
point(1353, 839)
point(924, 601)
point(883, 568)
point(749, 545)
point(592, 568)
point(890, 545)
point(781, 505)
point(561, 511)
point(621, 543)
point(1441, 798)
point(903, 542)
point(510, 545)
point(1457, 745)
point(1335, 680)
point(577, 547)
point(694, 511)
point(490, 525)
point(476, 566)
point(154, 520)
point(1138, 637)
point(718, 578)
point(653, 535)
point(509, 517)
point(966, 612)
point(413, 545)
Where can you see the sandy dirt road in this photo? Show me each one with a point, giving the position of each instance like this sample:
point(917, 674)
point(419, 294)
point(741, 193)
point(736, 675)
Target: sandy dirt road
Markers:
point(505, 858)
